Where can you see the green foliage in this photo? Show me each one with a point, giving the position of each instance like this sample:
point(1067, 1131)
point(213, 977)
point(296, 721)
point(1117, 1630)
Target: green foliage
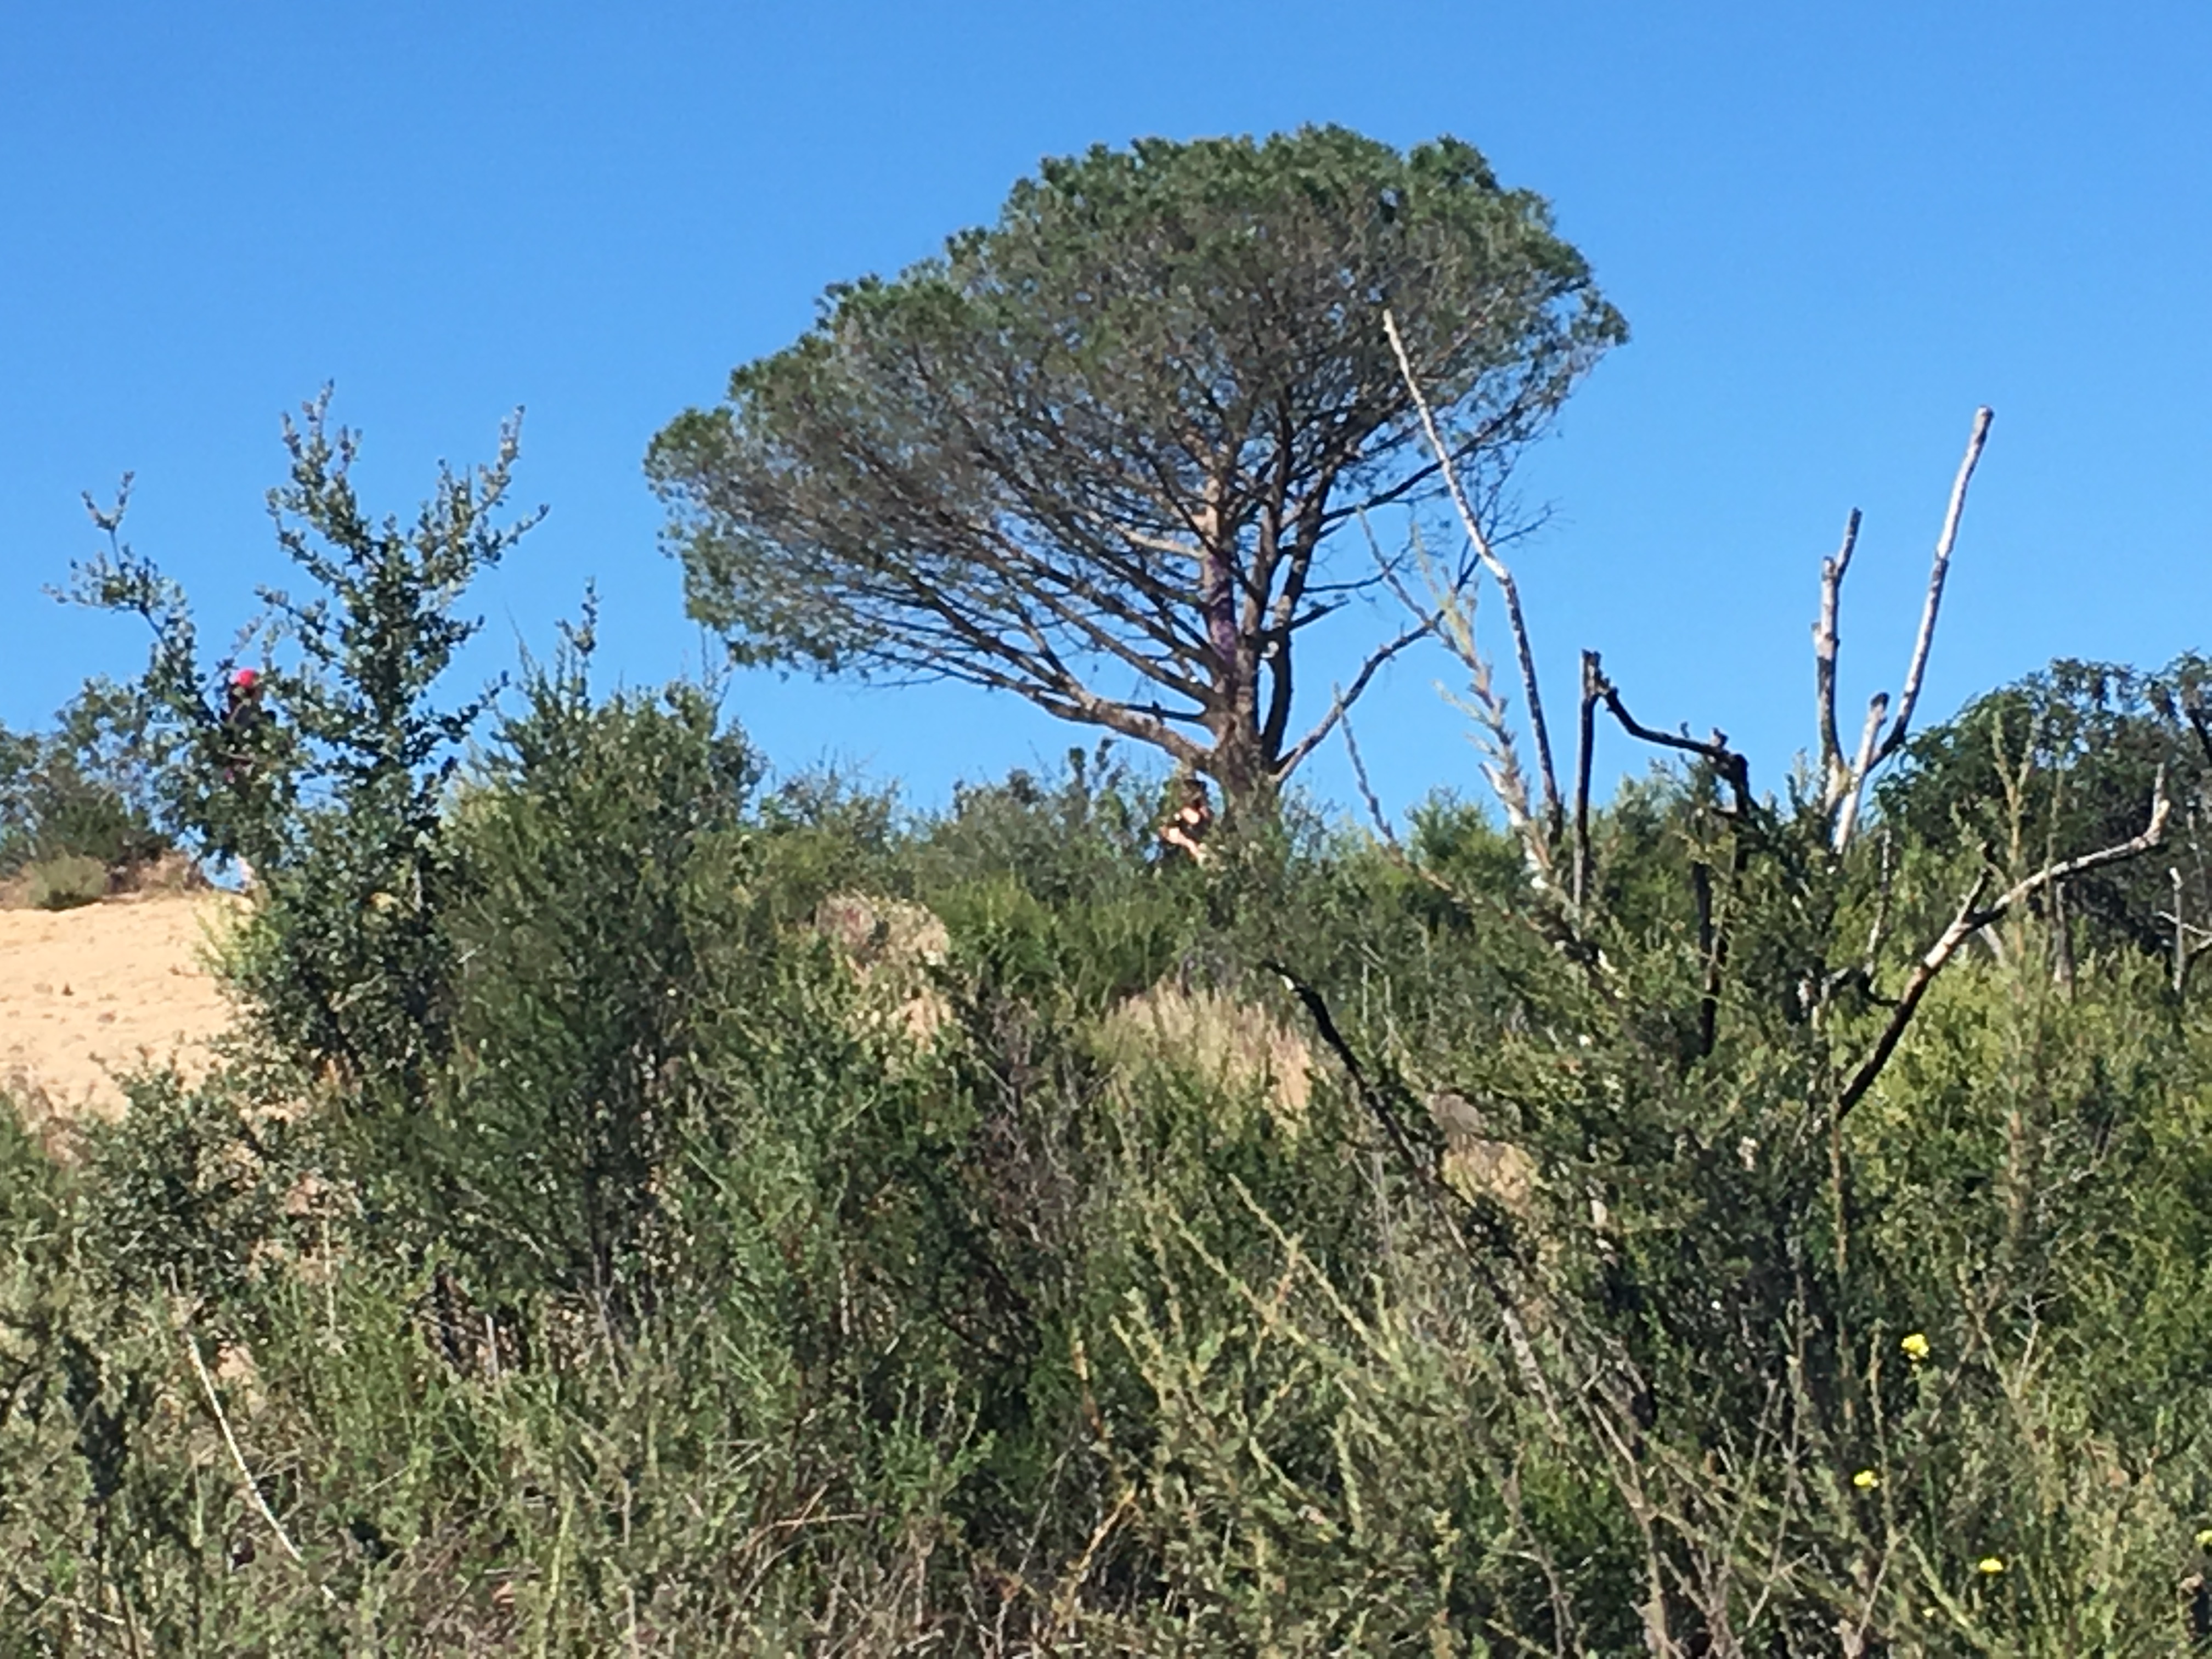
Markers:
point(88, 788)
point(1562, 1282)
point(1116, 432)
point(599, 860)
point(336, 795)
point(2065, 761)
point(66, 882)
point(688, 1310)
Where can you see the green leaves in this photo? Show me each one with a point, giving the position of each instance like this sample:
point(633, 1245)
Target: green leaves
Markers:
point(1116, 432)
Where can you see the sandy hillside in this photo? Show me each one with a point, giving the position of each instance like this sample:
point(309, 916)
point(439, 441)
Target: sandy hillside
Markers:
point(86, 993)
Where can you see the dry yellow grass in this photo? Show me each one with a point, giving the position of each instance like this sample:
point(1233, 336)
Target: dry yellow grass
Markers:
point(1236, 1047)
point(891, 945)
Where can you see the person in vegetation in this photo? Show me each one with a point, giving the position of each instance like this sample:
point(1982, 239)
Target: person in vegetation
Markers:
point(245, 725)
point(1184, 835)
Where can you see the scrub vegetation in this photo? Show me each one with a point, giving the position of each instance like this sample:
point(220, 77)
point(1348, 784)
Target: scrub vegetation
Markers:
point(652, 1203)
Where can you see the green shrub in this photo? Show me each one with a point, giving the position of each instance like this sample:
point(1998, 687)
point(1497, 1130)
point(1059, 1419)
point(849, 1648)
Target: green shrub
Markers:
point(568, 1259)
point(89, 787)
point(66, 882)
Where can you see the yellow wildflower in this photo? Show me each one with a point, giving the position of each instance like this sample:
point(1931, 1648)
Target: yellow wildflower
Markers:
point(1866, 1481)
point(1991, 1564)
point(2204, 1539)
point(1915, 1347)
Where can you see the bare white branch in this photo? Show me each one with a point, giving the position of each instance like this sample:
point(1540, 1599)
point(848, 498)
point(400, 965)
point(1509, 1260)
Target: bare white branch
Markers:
point(1910, 698)
point(1847, 814)
point(1547, 776)
point(1835, 779)
point(238, 1460)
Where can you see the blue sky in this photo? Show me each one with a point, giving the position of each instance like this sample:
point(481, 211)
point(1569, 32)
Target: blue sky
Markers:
point(1834, 231)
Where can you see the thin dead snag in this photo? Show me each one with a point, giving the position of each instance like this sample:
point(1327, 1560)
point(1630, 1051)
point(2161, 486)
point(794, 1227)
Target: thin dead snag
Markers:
point(1453, 624)
point(1844, 784)
point(1585, 753)
point(1834, 777)
point(1392, 847)
point(1734, 769)
point(1973, 915)
point(1524, 654)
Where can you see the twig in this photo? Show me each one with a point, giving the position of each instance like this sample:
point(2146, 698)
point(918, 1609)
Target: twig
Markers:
point(1731, 766)
point(1585, 746)
point(1847, 817)
point(1911, 697)
point(238, 1458)
point(1393, 848)
point(1381, 819)
point(2180, 934)
point(1834, 780)
point(1553, 813)
point(1973, 916)
point(1376, 1098)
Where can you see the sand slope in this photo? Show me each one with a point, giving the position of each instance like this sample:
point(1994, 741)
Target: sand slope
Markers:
point(85, 993)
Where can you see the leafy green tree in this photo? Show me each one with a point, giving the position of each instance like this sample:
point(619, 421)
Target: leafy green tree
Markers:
point(1097, 453)
point(337, 799)
point(2064, 759)
point(90, 788)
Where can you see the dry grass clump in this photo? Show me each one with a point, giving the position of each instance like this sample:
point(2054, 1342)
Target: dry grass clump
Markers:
point(892, 946)
point(64, 883)
point(73, 879)
point(1236, 1047)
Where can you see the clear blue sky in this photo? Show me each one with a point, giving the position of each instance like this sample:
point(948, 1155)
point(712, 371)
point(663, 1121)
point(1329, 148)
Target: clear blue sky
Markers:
point(1834, 231)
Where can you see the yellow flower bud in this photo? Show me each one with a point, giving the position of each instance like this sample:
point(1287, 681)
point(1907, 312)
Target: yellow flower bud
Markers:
point(1991, 1564)
point(1915, 1347)
point(1866, 1481)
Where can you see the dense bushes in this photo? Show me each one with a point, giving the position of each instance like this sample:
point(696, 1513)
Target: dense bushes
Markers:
point(573, 1257)
point(84, 790)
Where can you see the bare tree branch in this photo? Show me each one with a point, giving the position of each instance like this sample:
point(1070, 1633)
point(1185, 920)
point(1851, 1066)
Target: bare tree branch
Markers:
point(1585, 746)
point(1973, 916)
point(1843, 783)
point(1547, 774)
point(1345, 696)
point(1847, 815)
point(1911, 697)
point(1734, 769)
point(245, 1477)
point(1834, 778)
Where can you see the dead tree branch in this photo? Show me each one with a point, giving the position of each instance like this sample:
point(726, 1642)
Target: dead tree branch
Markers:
point(1973, 916)
point(248, 1483)
point(1834, 777)
point(1493, 733)
point(1847, 814)
point(1733, 768)
point(1844, 786)
point(1538, 734)
point(1585, 746)
point(1910, 698)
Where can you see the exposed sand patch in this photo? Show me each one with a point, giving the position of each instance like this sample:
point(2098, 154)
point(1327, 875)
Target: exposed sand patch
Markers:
point(109, 988)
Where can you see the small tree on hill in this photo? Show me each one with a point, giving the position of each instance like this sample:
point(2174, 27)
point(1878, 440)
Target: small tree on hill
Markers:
point(1097, 453)
point(336, 795)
